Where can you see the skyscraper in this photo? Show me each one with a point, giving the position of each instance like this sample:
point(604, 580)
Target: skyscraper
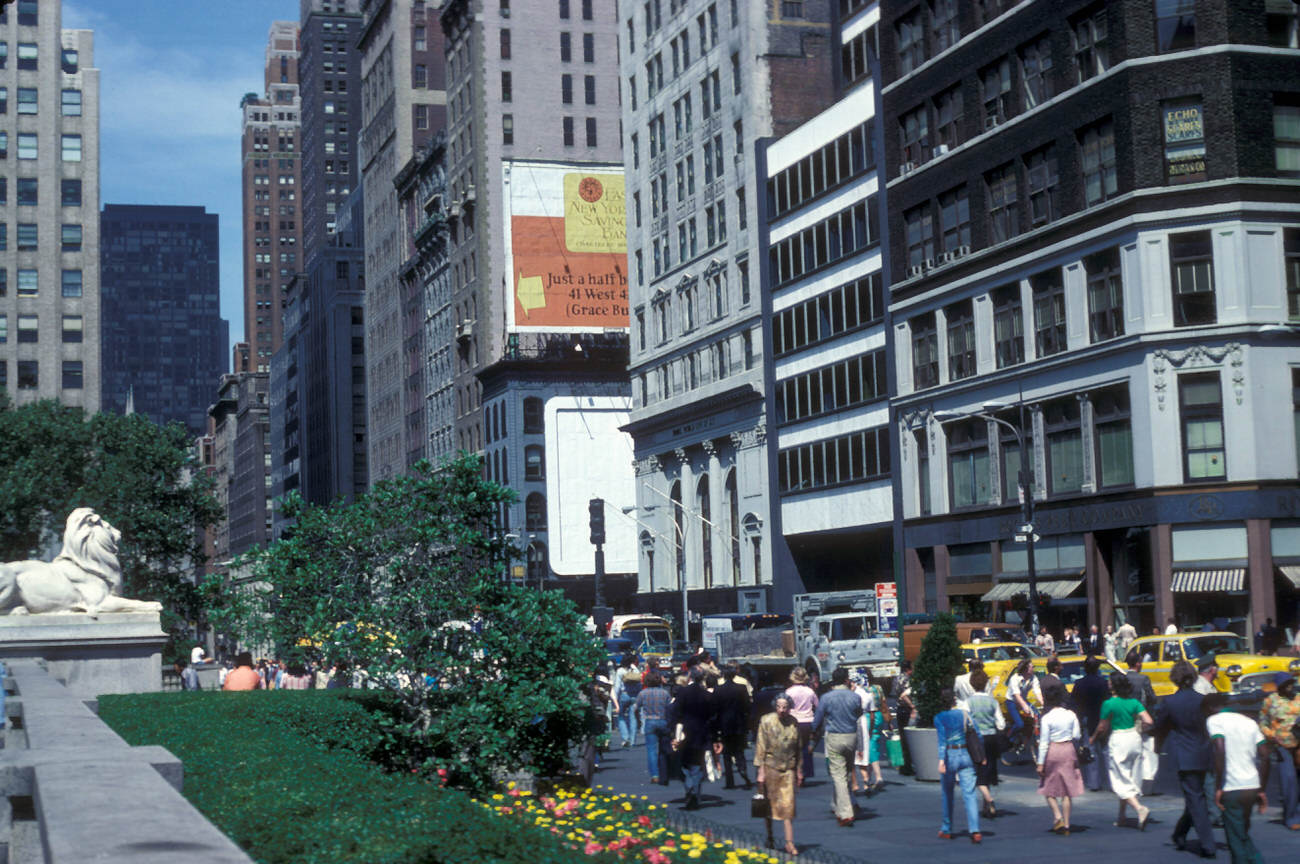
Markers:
point(164, 341)
point(403, 105)
point(49, 209)
point(271, 153)
point(705, 80)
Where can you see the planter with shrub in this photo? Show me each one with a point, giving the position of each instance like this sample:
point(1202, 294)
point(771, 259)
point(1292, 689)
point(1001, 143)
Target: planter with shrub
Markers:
point(938, 664)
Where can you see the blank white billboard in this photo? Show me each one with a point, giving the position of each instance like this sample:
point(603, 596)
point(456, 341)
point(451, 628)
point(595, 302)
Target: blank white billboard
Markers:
point(588, 457)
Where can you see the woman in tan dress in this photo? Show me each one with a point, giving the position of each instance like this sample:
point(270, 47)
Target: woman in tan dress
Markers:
point(780, 769)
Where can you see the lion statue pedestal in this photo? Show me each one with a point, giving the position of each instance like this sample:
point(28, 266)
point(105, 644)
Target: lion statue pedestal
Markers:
point(69, 612)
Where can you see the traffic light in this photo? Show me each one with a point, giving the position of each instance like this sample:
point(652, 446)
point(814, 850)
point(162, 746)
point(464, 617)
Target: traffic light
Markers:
point(596, 507)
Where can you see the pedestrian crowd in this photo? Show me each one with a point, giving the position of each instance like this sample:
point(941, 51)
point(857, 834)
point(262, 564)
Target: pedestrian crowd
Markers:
point(697, 722)
point(243, 673)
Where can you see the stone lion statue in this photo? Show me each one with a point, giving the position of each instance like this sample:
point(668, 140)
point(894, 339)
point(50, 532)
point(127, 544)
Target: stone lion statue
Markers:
point(84, 577)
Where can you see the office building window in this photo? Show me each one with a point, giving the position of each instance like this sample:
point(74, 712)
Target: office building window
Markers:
point(534, 415)
point(419, 74)
point(1009, 444)
point(911, 42)
point(1008, 326)
point(1097, 156)
point(72, 329)
point(589, 88)
point(1291, 262)
point(947, 120)
point(1105, 295)
point(843, 309)
point(534, 462)
point(419, 38)
point(913, 129)
point(28, 13)
point(28, 329)
point(27, 235)
point(847, 459)
point(4, 329)
point(919, 226)
point(1175, 25)
point(857, 381)
point(1282, 18)
point(70, 237)
point(1036, 71)
point(1112, 420)
point(27, 55)
point(27, 145)
point(954, 218)
point(27, 191)
point(71, 193)
point(925, 352)
point(968, 464)
point(1091, 50)
point(564, 10)
point(71, 103)
point(1191, 264)
point(1184, 131)
point(27, 100)
point(960, 319)
point(856, 56)
point(4, 281)
point(71, 148)
point(1049, 313)
point(1061, 424)
point(586, 10)
point(1286, 137)
point(4, 100)
point(566, 48)
point(922, 471)
point(567, 124)
point(945, 30)
point(588, 48)
point(507, 129)
point(72, 374)
point(591, 131)
point(1004, 209)
point(566, 89)
point(28, 375)
point(1200, 407)
point(4, 53)
point(995, 86)
point(71, 283)
point(505, 43)
point(28, 283)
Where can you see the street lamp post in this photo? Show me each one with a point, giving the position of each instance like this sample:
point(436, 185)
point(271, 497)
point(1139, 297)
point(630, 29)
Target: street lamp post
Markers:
point(1025, 481)
point(679, 559)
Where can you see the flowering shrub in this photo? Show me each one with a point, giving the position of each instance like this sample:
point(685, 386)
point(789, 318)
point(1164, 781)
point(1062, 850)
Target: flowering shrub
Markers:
point(613, 826)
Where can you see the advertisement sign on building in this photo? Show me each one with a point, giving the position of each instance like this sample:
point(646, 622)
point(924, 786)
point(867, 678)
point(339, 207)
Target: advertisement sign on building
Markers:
point(887, 607)
point(566, 247)
point(1184, 142)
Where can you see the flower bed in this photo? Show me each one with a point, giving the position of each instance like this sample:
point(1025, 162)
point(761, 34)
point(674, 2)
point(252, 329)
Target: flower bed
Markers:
point(610, 825)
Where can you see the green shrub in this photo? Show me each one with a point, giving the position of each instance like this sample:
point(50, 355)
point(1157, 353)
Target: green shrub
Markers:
point(938, 664)
point(288, 776)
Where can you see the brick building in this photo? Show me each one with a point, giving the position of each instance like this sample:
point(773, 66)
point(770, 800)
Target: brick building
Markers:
point(1096, 256)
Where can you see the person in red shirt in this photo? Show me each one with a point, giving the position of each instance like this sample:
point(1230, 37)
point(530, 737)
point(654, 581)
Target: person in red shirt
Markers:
point(244, 676)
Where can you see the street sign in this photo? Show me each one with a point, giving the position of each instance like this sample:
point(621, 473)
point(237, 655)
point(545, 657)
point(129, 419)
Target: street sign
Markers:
point(1024, 538)
point(886, 589)
point(887, 615)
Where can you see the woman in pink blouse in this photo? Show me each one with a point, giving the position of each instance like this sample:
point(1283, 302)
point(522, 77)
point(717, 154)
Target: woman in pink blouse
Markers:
point(803, 705)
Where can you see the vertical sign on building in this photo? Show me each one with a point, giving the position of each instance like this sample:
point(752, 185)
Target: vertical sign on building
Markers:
point(887, 607)
point(1184, 142)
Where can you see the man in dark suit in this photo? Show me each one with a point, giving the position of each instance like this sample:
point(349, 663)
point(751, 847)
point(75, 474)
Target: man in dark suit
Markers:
point(731, 707)
point(1180, 727)
point(1089, 692)
point(692, 710)
point(1092, 643)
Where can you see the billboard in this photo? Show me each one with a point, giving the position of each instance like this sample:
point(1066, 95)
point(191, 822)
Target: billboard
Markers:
point(588, 456)
point(566, 247)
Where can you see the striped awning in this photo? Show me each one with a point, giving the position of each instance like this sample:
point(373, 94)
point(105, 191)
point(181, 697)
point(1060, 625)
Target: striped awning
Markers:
point(1058, 589)
point(1291, 572)
point(1227, 579)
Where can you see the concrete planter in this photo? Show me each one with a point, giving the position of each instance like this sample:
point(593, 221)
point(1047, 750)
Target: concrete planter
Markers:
point(923, 744)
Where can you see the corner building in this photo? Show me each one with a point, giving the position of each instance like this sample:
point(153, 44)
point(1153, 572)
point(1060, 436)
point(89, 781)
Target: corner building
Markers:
point(1095, 240)
point(49, 209)
point(704, 83)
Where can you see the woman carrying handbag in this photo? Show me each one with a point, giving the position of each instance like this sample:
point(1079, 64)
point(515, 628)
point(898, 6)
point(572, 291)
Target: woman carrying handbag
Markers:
point(780, 770)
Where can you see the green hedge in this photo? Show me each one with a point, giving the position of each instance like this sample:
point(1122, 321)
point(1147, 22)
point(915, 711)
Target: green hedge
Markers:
point(289, 776)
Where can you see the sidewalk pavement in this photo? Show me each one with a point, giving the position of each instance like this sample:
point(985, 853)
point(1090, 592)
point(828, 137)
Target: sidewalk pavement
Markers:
point(903, 820)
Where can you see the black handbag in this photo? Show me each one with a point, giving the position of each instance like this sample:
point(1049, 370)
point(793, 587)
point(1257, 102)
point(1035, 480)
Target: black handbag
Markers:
point(974, 743)
point(1084, 753)
point(759, 806)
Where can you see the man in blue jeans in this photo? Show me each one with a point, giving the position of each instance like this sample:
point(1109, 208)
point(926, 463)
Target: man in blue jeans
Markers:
point(956, 766)
point(693, 711)
point(652, 707)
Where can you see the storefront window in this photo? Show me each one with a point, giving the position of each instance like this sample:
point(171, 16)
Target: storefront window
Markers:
point(1061, 420)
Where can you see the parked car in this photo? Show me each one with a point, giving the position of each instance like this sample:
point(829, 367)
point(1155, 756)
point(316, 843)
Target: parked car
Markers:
point(1239, 669)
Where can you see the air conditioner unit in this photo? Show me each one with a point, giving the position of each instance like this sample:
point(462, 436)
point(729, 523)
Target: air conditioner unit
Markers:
point(940, 150)
point(945, 257)
point(471, 194)
point(465, 329)
point(454, 210)
point(907, 167)
point(928, 263)
point(961, 250)
point(991, 121)
point(915, 270)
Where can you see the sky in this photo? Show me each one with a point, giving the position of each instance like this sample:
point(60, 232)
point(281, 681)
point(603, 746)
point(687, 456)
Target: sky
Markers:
point(172, 73)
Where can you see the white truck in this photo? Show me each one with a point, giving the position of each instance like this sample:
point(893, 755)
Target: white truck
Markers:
point(831, 629)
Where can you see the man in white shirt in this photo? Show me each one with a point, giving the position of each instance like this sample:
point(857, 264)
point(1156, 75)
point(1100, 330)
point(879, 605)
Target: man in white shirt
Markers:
point(1171, 629)
point(962, 689)
point(1206, 668)
point(1241, 772)
point(196, 655)
point(1045, 641)
point(1125, 634)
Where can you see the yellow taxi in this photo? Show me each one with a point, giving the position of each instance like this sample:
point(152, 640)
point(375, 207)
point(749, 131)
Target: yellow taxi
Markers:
point(991, 652)
point(1071, 671)
point(1239, 669)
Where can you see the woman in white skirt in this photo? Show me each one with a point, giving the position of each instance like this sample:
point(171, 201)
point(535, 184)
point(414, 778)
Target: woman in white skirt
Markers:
point(1120, 716)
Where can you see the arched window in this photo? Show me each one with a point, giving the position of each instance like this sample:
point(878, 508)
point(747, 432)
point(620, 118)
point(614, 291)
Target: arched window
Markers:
point(537, 566)
point(702, 506)
point(678, 519)
point(535, 512)
point(534, 416)
point(733, 525)
point(534, 462)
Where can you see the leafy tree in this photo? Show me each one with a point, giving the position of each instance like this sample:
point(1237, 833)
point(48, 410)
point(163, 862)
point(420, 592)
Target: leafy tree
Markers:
point(938, 664)
point(141, 477)
point(405, 585)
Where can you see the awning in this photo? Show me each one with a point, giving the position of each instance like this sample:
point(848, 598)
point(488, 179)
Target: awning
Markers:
point(1291, 572)
point(1058, 589)
point(1227, 579)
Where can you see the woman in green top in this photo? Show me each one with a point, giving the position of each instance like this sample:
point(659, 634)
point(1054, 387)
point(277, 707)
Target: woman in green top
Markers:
point(1119, 719)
